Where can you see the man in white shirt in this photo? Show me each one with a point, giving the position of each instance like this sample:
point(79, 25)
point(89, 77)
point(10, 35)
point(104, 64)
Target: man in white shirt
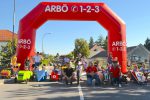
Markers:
point(37, 59)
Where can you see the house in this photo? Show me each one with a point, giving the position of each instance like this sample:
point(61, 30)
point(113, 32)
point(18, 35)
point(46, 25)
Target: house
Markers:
point(138, 54)
point(135, 54)
point(5, 36)
point(95, 50)
point(102, 56)
point(97, 53)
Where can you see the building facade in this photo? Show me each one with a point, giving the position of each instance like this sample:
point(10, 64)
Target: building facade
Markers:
point(138, 54)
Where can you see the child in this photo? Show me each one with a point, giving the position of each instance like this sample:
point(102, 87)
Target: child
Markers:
point(105, 73)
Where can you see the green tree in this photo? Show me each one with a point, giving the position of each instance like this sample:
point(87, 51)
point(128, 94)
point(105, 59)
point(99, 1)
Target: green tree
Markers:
point(81, 47)
point(147, 44)
point(105, 43)
point(91, 42)
point(57, 57)
point(51, 58)
point(7, 52)
point(70, 55)
point(100, 40)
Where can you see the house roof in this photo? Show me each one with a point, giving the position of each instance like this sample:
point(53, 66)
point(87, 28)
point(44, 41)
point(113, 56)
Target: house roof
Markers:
point(142, 46)
point(100, 54)
point(129, 49)
point(6, 35)
point(97, 47)
point(95, 50)
point(136, 47)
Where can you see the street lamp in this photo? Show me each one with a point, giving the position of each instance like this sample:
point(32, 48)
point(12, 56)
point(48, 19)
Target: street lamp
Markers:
point(14, 8)
point(43, 40)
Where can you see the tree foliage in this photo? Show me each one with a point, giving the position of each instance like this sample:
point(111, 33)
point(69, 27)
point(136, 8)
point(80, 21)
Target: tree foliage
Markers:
point(147, 44)
point(7, 52)
point(105, 45)
point(70, 55)
point(100, 40)
point(91, 42)
point(81, 47)
point(51, 58)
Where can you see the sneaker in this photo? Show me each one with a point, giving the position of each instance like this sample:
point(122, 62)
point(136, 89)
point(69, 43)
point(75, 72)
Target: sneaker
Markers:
point(120, 85)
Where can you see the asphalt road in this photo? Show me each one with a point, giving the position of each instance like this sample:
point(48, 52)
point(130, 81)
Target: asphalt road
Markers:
point(59, 91)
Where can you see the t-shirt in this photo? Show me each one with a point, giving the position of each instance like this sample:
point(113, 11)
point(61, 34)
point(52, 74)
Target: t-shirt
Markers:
point(91, 69)
point(115, 72)
point(66, 60)
point(68, 72)
point(37, 58)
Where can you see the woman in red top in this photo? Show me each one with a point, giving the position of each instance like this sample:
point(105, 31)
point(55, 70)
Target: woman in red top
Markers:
point(92, 74)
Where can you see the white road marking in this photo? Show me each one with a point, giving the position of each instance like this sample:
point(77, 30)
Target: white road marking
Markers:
point(80, 93)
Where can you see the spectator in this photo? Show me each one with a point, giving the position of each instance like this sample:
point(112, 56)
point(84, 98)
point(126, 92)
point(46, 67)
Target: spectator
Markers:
point(144, 71)
point(79, 68)
point(44, 69)
point(68, 74)
point(14, 60)
point(105, 73)
point(66, 60)
point(135, 68)
point(37, 59)
point(92, 74)
point(99, 66)
point(27, 63)
point(116, 73)
point(109, 59)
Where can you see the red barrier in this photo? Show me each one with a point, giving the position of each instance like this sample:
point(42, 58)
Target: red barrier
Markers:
point(99, 12)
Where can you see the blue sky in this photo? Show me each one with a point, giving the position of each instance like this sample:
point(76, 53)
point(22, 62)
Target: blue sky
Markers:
point(135, 13)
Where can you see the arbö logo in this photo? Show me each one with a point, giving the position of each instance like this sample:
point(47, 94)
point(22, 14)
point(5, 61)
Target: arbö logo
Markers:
point(119, 46)
point(119, 43)
point(24, 41)
point(56, 8)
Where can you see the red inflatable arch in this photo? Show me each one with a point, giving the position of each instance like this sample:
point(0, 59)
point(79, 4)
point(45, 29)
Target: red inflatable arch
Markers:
point(99, 12)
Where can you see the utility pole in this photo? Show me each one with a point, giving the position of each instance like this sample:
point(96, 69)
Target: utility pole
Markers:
point(14, 8)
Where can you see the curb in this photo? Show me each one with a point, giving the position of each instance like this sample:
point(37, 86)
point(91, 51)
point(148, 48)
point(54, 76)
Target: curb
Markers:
point(1, 81)
point(5, 81)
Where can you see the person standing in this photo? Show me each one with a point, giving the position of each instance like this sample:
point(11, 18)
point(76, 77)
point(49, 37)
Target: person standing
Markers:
point(37, 59)
point(116, 73)
point(109, 59)
point(27, 64)
point(66, 60)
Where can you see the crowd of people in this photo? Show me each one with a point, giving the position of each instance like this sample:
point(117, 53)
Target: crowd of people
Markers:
point(112, 72)
point(71, 69)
